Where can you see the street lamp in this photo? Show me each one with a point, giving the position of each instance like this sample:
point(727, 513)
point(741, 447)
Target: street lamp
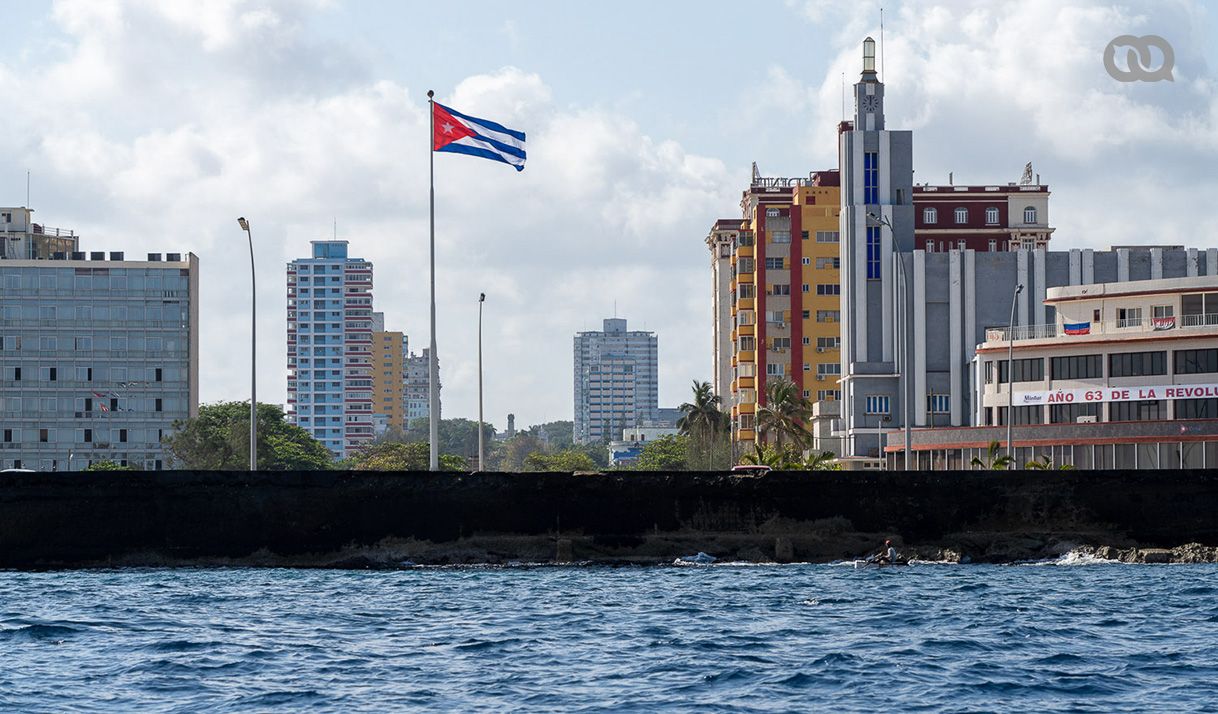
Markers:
point(481, 452)
point(1011, 375)
point(245, 226)
point(903, 333)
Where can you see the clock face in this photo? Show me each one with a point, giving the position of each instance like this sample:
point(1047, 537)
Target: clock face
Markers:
point(870, 103)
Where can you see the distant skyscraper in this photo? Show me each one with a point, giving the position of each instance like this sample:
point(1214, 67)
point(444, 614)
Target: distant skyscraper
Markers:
point(616, 385)
point(99, 355)
point(417, 385)
point(330, 347)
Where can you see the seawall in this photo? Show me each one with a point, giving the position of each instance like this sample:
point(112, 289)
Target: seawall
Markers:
point(374, 519)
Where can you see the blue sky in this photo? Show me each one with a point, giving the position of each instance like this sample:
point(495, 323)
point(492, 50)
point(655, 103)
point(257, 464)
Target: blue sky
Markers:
point(149, 125)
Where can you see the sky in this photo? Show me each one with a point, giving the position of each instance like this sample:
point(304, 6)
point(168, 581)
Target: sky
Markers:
point(151, 125)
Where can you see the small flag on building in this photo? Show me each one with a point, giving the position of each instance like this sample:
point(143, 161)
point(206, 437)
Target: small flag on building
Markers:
point(1077, 328)
point(463, 134)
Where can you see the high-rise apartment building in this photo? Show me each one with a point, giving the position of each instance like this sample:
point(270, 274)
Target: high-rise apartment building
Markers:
point(99, 355)
point(616, 384)
point(776, 294)
point(389, 377)
point(418, 386)
point(330, 347)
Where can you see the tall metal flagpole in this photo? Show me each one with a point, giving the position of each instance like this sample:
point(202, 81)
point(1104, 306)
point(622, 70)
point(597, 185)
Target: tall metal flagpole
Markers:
point(433, 401)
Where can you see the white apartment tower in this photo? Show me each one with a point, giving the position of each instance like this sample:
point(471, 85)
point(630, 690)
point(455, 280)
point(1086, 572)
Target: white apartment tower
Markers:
point(330, 325)
point(616, 385)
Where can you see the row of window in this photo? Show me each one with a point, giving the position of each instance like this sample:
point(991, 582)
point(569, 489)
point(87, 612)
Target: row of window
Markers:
point(104, 435)
point(931, 215)
point(1125, 364)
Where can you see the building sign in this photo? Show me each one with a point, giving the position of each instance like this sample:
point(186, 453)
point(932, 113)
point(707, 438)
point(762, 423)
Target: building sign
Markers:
point(1163, 323)
point(1118, 394)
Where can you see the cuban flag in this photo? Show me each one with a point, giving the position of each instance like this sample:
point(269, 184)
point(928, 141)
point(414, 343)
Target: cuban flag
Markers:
point(1077, 328)
point(462, 134)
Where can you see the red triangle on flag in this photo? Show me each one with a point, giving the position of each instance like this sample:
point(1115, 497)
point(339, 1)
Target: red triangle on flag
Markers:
point(446, 128)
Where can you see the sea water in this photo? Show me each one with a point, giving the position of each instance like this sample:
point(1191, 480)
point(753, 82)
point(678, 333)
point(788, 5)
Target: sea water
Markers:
point(1051, 637)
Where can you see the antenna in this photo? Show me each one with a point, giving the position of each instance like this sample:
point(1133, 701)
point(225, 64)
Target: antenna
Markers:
point(882, 75)
point(335, 228)
point(27, 188)
point(843, 96)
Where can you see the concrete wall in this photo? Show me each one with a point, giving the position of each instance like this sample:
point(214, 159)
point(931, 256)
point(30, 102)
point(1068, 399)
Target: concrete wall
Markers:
point(139, 518)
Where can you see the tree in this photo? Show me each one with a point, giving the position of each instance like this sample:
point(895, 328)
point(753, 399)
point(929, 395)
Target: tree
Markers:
point(457, 436)
point(570, 460)
point(993, 461)
point(708, 429)
point(107, 465)
point(1045, 463)
point(777, 458)
point(784, 414)
point(667, 453)
point(415, 456)
point(218, 440)
point(517, 450)
point(824, 461)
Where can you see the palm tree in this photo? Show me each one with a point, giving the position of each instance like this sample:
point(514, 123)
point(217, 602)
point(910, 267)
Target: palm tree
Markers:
point(1045, 463)
point(776, 458)
point(784, 415)
point(702, 416)
point(824, 461)
point(993, 460)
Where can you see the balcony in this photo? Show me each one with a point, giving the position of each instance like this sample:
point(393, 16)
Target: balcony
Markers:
point(1123, 328)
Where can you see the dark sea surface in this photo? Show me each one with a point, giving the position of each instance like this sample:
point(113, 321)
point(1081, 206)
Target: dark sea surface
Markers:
point(1053, 637)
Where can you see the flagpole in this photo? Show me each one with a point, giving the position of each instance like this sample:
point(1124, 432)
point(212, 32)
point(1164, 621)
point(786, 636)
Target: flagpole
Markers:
point(433, 401)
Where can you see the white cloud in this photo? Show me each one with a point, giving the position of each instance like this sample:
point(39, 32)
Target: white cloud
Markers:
point(164, 131)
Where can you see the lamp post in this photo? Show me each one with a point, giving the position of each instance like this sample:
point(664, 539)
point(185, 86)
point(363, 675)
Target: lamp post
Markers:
point(245, 226)
point(1011, 375)
point(903, 333)
point(481, 452)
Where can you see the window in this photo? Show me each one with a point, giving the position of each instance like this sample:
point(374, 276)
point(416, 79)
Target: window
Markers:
point(828, 263)
point(877, 404)
point(828, 289)
point(8, 436)
point(806, 287)
point(807, 314)
point(747, 343)
point(989, 372)
point(769, 213)
point(43, 435)
point(993, 245)
point(805, 260)
point(1197, 408)
point(157, 407)
point(774, 369)
point(1152, 410)
point(744, 317)
point(827, 368)
point(745, 291)
point(780, 236)
point(828, 343)
point(873, 252)
point(122, 435)
point(780, 289)
point(807, 368)
point(744, 240)
point(1129, 317)
point(1196, 361)
point(773, 263)
point(930, 215)
point(744, 265)
point(1029, 215)
point(939, 403)
point(828, 316)
point(930, 246)
point(782, 343)
point(1026, 370)
point(1080, 367)
point(803, 235)
point(871, 177)
point(961, 215)
point(991, 216)
point(835, 237)
point(1162, 311)
point(1070, 413)
point(1137, 364)
point(807, 340)
point(1023, 415)
point(827, 394)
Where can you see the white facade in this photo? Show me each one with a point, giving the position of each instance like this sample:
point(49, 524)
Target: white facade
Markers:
point(720, 241)
point(616, 384)
point(330, 324)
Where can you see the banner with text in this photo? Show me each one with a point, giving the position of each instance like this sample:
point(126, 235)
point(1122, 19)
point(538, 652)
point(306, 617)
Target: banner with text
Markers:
point(1118, 394)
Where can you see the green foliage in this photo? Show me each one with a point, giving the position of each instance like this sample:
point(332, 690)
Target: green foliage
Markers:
point(218, 440)
point(395, 456)
point(565, 460)
point(1045, 463)
point(994, 460)
point(784, 415)
point(824, 461)
point(107, 465)
point(667, 453)
point(708, 430)
point(457, 436)
point(776, 457)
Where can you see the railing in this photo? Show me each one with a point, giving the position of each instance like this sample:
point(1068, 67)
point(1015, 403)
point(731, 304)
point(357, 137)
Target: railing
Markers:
point(1125, 326)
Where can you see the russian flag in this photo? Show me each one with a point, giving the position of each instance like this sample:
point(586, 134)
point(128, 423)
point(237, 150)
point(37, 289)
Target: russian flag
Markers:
point(1077, 328)
point(463, 134)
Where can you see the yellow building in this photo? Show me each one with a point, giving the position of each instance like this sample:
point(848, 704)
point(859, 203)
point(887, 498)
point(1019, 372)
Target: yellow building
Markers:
point(388, 360)
point(776, 287)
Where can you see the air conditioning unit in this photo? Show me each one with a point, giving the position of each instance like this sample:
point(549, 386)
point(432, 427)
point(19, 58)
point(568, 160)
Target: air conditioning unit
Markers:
point(1086, 420)
point(820, 377)
point(818, 349)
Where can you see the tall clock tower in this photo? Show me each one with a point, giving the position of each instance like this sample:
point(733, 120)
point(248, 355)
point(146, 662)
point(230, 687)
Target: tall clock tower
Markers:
point(877, 231)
